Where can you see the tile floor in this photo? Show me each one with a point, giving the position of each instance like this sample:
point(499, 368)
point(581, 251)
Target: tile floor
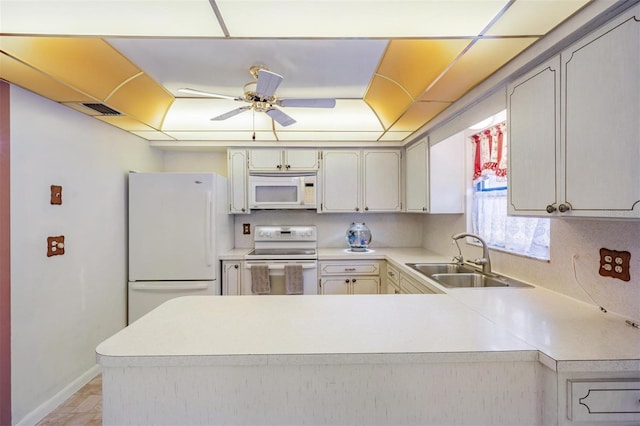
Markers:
point(83, 408)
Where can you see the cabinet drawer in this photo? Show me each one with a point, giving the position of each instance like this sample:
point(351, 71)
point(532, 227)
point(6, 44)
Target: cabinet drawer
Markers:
point(604, 400)
point(392, 274)
point(350, 268)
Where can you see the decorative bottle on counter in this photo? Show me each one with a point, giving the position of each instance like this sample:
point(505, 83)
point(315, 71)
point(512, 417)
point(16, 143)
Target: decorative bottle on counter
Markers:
point(358, 237)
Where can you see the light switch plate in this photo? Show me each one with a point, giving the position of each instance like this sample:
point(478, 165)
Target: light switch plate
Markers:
point(56, 194)
point(246, 228)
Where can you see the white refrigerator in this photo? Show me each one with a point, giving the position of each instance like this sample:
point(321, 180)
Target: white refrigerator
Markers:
point(178, 223)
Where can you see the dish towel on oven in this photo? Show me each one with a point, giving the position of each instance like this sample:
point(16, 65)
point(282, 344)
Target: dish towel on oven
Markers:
point(293, 279)
point(260, 279)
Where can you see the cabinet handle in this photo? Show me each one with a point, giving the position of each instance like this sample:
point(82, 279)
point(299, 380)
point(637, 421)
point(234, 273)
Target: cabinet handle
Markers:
point(279, 166)
point(366, 209)
point(349, 269)
point(346, 281)
point(288, 166)
point(551, 208)
point(562, 208)
point(357, 209)
point(235, 266)
point(424, 209)
point(396, 292)
point(243, 209)
point(353, 280)
point(391, 274)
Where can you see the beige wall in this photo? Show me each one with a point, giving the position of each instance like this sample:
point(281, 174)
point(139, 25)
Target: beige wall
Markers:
point(63, 306)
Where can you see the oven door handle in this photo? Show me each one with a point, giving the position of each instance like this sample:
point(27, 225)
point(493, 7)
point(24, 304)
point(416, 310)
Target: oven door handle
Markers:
point(280, 266)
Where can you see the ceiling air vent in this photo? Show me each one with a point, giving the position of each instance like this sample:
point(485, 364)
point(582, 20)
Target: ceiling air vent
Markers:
point(102, 109)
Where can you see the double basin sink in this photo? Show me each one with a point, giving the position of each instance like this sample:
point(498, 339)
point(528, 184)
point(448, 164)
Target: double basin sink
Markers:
point(454, 275)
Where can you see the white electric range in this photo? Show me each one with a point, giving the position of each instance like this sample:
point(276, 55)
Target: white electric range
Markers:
point(279, 245)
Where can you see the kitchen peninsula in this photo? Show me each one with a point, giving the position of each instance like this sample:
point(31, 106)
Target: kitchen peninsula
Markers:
point(470, 356)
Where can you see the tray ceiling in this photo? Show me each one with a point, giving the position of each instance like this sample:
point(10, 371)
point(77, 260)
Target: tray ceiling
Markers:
point(392, 65)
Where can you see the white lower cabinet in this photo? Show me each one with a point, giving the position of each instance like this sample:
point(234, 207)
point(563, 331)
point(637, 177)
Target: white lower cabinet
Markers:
point(350, 285)
point(349, 277)
point(408, 285)
point(604, 400)
point(231, 277)
point(392, 282)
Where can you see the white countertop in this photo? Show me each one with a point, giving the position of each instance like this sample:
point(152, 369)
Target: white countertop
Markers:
point(462, 321)
point(302, 325)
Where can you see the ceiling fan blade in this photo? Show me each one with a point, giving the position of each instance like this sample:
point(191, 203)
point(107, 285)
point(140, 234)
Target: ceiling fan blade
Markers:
point(230, 113)
point(307, 103)
point(282, 118)
point(208, 94)
point(267, 84)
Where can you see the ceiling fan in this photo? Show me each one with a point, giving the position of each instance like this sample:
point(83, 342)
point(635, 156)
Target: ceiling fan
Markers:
point(260, 95)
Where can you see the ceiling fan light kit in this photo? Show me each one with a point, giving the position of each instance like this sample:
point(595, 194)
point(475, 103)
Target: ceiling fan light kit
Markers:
point(260, 95)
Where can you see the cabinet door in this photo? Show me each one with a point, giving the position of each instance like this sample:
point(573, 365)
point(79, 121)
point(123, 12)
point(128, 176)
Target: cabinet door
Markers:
point(340, 188)
point(335, 285)
point(231, 278)
point(382, 181)
point(266, 160)
point(417, 177)
point(534, 139)
point(301, 160)
point(365, 285)
point(446, 182)
point(237, 183)
point(601, 128)
point(410, 286)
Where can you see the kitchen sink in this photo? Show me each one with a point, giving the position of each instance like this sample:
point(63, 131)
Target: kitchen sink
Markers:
point(471, 280)
point(455, 275)
point(440, 268)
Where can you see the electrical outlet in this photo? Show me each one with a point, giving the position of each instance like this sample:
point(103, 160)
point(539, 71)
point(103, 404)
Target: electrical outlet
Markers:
point(246, 228)
point(55, 246)
point(615, 264)
point(56, 194)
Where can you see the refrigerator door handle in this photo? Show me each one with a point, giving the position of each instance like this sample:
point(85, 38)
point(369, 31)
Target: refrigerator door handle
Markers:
point(208, 219)
point(163, 287)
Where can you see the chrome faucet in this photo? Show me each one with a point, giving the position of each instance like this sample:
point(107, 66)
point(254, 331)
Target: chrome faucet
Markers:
point(484, 261)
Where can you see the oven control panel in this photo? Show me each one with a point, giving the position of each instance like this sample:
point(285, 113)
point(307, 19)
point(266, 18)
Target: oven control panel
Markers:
point(285, 233)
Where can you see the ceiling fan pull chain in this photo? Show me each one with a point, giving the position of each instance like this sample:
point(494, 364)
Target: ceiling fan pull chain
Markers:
point(253, 112)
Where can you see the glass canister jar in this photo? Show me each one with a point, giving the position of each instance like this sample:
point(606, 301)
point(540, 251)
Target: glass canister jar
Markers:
point(358, 236)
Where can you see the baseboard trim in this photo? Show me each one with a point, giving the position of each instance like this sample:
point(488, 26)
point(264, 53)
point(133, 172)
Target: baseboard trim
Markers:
point(51, 404)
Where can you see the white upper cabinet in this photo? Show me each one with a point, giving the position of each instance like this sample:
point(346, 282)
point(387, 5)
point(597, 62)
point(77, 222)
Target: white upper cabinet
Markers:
point(533, 131)
point(340, 181)
point(361, 181)
point(283, 160)
point(601, 120)
point(382, 180)
point(237, 181)
point(574, 128)
point(417, 177)
point(434, 176)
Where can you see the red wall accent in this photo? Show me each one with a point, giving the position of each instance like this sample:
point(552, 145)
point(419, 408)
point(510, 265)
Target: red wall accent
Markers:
point(5, 260)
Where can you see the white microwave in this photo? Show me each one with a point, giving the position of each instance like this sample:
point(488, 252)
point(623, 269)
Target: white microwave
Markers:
point(282, 191)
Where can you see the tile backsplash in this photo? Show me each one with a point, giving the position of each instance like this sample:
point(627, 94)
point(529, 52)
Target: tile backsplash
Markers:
point(575, 259)
point(387, 229)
